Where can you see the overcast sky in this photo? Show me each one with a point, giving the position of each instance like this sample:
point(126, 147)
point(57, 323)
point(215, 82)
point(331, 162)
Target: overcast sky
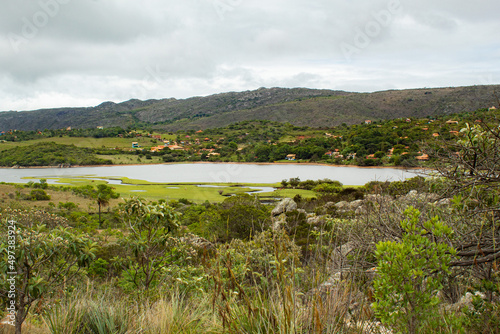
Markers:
point(58, 53)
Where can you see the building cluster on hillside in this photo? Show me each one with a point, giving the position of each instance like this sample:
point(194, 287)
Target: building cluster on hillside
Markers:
point(404, 129)
point(180, 145)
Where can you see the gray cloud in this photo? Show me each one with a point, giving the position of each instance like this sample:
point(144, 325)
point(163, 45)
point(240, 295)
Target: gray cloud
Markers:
point(82, 52)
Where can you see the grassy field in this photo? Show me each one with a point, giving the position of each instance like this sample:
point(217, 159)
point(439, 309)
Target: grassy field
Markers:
point(112, 142)
point(8, 199)
point(198, 193)
point(127, 159)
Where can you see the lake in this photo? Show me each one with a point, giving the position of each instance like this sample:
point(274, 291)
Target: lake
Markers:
point(215, 173)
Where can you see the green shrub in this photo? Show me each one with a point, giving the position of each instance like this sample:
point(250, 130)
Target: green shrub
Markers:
point(327, 188)
point(68, 206)
point(410, 273)
point(38, 195)
point(98, 268)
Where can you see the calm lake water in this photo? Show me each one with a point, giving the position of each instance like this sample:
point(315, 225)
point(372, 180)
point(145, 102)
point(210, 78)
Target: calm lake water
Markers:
point(215, 172)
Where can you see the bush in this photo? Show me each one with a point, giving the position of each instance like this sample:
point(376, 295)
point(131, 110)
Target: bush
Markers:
point(98, 268)
point(410, 272)
point(68, 206)
point(307, 184)
point(38, 195)
point(327, 188)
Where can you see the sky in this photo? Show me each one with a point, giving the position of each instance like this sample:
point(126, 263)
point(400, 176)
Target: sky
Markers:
point(70, 53)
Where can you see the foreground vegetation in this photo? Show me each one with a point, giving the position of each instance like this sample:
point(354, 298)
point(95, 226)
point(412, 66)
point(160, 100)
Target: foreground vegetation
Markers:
point(419, 256)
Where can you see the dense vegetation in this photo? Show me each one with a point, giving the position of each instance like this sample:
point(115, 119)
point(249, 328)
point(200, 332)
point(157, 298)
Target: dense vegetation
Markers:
point(49, 154)
point(419, 256)
point(405, 142)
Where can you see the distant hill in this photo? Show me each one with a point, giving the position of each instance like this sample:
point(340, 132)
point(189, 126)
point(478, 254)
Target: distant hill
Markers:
point(298, 106)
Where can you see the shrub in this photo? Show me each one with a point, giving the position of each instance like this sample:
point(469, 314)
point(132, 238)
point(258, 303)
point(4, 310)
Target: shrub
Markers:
point(327, 188)
point(410, 273)
point(39, 195)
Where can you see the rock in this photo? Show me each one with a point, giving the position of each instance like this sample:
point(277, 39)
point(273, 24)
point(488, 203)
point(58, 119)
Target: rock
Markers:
point(377, 198)
point(413, 195)
point(197, 241)
point(443, 202)
point(328, 205)
point(465, 301)
point(316, 220)
point(338, 258)
point(286, 205)
point(278, 221)
point(342, 206)
point(355, 204)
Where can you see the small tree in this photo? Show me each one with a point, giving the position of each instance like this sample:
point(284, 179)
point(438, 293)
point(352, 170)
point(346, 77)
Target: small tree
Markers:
point(42, 260)
point(470, 167)
point(410, 273)
point(149, 227)
point(103, 194)
point(294, 182)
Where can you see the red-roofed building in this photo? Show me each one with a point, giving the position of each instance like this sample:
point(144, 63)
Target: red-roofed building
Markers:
point(423, 157)
point(176, 148)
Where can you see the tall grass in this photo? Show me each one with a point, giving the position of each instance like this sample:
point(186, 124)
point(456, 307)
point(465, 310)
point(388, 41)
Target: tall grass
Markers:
point(177, 314)
point(107, 314)
point(87, 314)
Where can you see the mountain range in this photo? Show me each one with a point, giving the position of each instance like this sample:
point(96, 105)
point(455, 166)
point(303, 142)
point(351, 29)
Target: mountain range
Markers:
point(298, 106)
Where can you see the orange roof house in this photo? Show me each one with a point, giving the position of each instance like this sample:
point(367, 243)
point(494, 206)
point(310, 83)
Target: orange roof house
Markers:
point(423, 157)
point(157, 148)
point(176, 148)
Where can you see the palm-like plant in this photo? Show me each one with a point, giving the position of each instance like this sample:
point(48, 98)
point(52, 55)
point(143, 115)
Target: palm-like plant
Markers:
point(103, 194)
